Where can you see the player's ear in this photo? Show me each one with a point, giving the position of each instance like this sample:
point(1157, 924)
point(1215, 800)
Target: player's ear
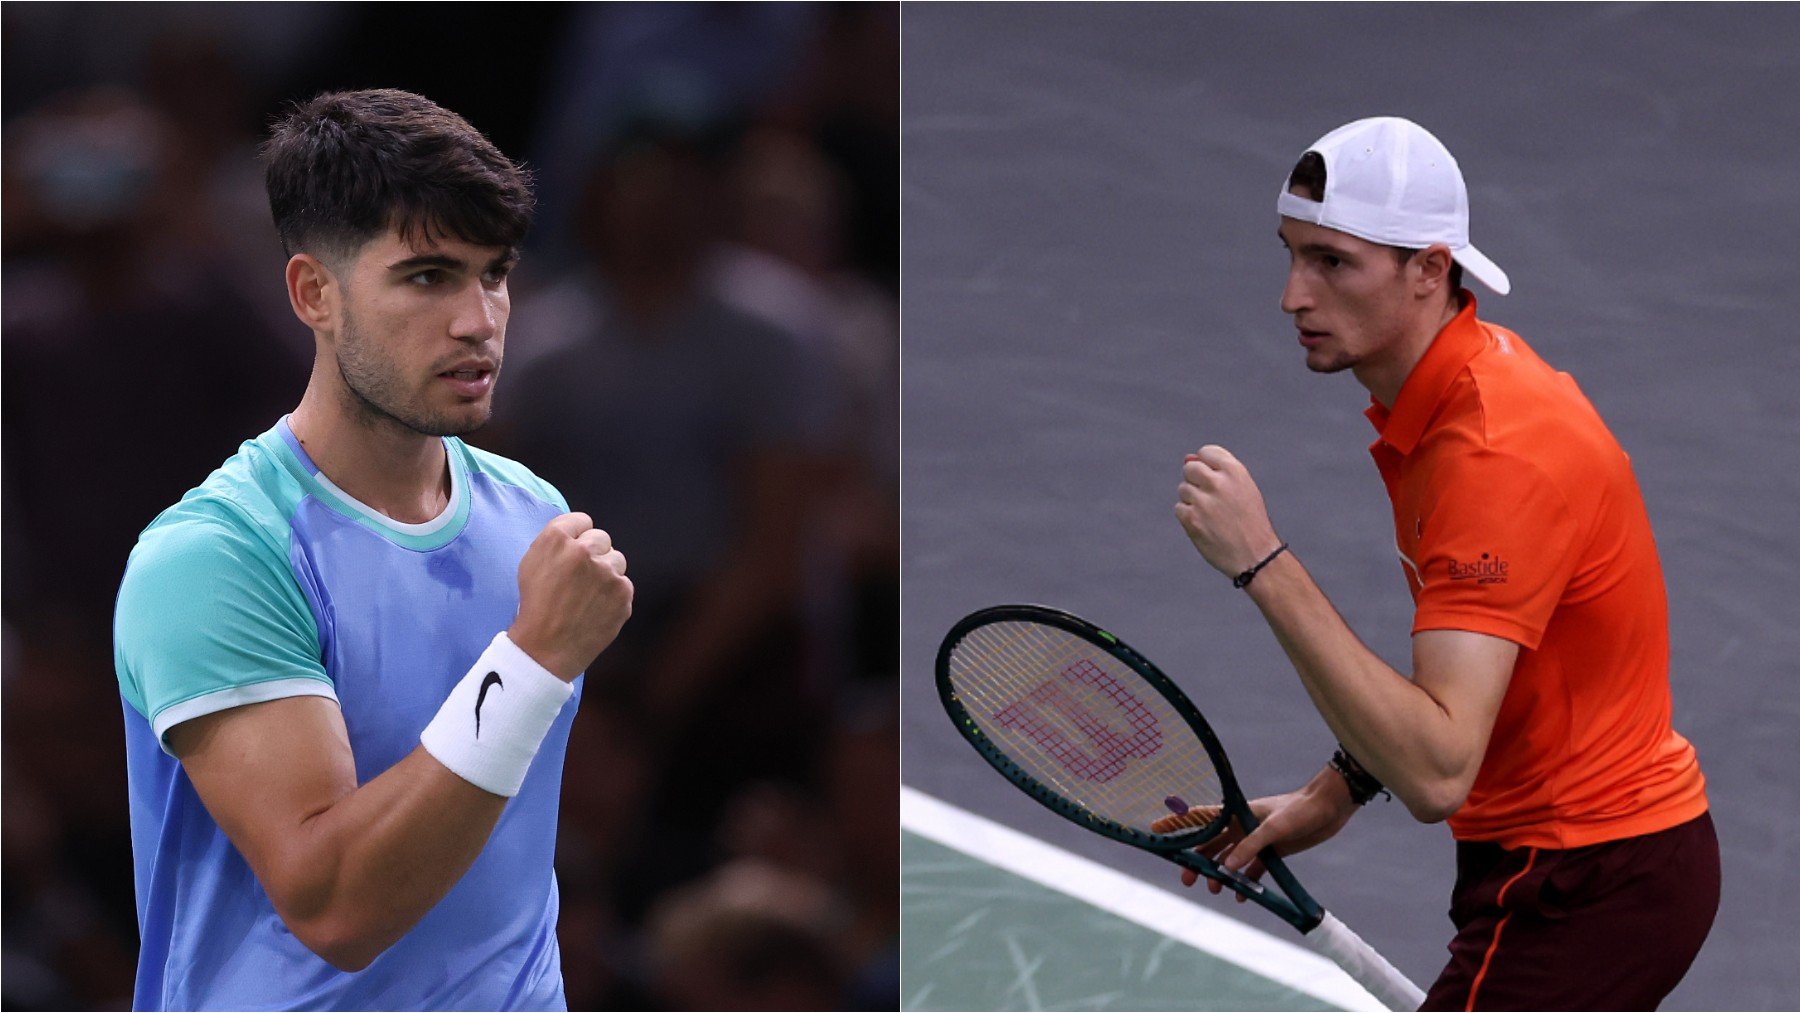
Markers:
point(313, 291)
point(1431, 270)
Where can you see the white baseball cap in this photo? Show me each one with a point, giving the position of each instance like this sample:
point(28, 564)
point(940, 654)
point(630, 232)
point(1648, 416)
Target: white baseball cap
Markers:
point(1389, 181)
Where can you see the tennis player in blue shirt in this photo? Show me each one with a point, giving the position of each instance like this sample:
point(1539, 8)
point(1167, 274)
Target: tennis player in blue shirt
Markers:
point(349, 657)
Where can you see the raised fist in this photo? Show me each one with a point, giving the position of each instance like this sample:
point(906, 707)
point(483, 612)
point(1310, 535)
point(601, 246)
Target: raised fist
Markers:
point(573, 596)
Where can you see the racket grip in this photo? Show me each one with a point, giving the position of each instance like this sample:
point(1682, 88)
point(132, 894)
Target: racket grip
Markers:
point(1333, 939)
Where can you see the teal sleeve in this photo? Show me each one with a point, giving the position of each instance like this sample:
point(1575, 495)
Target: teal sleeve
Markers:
point(556, 496)
point(513, 473)
point(209, 617)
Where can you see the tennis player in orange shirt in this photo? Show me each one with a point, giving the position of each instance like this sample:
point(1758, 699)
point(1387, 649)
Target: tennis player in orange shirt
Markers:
point(1536, 720)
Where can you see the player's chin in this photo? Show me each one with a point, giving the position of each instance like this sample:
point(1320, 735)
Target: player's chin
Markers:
point(459, 419)
point(1324, 360)
point(474, 417)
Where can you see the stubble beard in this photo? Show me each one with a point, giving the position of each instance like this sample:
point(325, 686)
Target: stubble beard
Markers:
point(1335, 364)
point(377, 399)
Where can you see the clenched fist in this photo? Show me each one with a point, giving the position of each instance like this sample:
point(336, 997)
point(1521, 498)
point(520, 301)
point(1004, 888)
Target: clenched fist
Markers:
point(573, 596)
point(1222, 511)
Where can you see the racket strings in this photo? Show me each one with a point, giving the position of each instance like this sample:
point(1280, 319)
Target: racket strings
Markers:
point(1080, 721)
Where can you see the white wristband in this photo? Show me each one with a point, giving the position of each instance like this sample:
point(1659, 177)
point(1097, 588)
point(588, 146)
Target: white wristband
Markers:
point(491, 725)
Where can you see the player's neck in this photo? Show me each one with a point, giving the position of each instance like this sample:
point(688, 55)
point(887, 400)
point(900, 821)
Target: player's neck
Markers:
point(1386, 375)
point(396, 471)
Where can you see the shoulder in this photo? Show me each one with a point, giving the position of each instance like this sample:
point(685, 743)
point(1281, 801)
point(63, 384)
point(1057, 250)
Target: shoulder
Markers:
point(1509, 409)
point(209, 614)
point(244, 506)
point(207, 558)
point(507, 471)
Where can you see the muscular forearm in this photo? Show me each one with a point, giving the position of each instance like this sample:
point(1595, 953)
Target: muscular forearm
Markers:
point(348, 868)
point(1423, 736)
point(358, 875)
point(1398, 730)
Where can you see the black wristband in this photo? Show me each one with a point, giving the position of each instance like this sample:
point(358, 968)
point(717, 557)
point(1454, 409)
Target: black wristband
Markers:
point(1361, 783)
point(1243, 580)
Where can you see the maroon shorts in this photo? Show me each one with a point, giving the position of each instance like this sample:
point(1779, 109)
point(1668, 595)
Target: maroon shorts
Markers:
point(1610, 926)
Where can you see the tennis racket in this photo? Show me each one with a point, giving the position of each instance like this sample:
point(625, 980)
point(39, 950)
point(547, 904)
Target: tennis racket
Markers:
point(1090, 728)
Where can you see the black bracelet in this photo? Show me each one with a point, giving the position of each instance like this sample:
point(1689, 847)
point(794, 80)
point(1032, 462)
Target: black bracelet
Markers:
point(1243, 580)
point(1361, 783)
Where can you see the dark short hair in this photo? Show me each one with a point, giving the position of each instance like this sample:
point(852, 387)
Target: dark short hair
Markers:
point(344, 167)
point(1309, 178)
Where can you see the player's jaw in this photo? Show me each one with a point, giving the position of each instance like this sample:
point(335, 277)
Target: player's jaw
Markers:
point(434, 408)
point(451, 397)
point(1330, 334)
point(456, 399)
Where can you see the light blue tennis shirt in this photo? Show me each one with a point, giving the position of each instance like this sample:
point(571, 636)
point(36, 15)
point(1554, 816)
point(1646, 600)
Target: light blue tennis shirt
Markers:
point(266, 582)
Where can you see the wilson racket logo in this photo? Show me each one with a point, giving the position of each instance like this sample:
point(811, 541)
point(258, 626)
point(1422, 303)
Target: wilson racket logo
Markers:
point(1086, 700)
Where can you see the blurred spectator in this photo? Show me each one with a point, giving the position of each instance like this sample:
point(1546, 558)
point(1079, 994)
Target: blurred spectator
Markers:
point(789, 266)
point(701, 63)
point(748, 936)
point(697, 434)
point(686, 425)
point(843, 835)
point(845, 95)
point(131, 371)
point(864, 760)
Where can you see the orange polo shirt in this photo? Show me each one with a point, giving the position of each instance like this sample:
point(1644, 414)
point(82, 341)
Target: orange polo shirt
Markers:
point(1516, 514)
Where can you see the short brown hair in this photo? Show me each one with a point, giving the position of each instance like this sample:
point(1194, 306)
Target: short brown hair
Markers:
point(1309, 178)
point(345, 166)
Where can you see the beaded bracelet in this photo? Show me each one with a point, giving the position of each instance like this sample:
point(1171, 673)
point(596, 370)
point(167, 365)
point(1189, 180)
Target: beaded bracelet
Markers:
point(1362, 784)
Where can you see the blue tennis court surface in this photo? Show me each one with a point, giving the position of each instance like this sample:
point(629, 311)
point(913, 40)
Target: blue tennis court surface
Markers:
point(997, 920)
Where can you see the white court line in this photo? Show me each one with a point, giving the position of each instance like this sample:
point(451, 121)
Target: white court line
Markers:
point(1132, 899)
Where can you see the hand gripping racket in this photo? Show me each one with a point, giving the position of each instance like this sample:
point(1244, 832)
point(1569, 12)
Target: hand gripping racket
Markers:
point(1090, 728)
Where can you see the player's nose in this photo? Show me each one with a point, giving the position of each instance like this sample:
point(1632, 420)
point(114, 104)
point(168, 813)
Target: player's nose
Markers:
point(479, 315)
point(1294, 295)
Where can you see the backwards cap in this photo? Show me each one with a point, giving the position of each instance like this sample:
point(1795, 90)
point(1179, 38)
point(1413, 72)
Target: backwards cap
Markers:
point(1389, 181)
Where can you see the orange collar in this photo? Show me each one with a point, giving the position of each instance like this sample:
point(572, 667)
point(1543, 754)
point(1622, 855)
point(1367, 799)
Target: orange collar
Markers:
point(1460, 340)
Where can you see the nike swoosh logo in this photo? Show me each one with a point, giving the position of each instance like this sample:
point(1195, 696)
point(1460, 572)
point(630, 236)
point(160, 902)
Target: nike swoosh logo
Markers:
point(493, 679)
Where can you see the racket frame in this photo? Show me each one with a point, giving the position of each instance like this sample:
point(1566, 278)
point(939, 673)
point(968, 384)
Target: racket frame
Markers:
point(1297, 908)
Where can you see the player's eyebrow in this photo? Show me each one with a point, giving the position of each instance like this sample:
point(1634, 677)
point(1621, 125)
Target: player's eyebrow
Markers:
point(428, 260)
point(1317, 248)
point(444, 262)
point(1323, 250)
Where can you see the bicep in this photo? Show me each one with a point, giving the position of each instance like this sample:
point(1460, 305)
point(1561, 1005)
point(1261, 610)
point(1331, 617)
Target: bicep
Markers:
point(1466, 674)
point(263, 770)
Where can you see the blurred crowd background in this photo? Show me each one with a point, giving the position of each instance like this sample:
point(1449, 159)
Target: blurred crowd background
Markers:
point(703, 354)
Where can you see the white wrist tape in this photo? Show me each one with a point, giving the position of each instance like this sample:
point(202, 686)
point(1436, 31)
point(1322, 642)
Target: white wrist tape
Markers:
point(491, 725)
